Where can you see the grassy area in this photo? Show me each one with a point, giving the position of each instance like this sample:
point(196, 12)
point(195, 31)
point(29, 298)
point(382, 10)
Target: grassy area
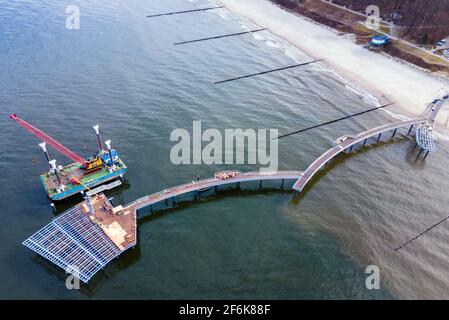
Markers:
point(427, 57)
point(349, 22)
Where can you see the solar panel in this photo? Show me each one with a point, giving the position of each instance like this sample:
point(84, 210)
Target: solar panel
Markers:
point(424, 138)
point(75, 243)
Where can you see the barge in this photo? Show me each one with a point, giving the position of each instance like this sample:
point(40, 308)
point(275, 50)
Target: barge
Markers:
point(62, 182)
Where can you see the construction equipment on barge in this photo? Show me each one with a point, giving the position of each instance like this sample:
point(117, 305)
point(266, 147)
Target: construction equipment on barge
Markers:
point(61, 182)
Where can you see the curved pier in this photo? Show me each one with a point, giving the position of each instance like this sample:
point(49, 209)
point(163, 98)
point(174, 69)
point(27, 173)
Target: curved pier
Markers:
point(348, 142)
point(199, 185)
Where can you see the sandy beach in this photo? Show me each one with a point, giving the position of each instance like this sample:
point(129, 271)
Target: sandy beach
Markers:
point(388, 79)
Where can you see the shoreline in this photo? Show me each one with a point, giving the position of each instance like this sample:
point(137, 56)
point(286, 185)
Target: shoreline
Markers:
point(388, 79)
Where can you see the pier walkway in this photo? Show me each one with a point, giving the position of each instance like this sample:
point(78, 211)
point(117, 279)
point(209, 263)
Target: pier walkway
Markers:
point(197, 186)
point(348, 142)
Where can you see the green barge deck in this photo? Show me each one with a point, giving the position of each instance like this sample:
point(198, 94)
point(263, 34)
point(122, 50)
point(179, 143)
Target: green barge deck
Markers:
point(74, 172)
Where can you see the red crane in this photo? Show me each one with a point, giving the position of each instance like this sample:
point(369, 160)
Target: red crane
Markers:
point(43, 136)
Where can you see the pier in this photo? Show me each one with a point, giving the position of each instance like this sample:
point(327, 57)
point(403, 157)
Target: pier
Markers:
point(85, 238)
point(196, 186)
point(424, 139)
point(348, 142)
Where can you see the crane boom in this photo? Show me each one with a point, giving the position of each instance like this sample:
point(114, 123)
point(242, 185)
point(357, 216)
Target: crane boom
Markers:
point(43, 136)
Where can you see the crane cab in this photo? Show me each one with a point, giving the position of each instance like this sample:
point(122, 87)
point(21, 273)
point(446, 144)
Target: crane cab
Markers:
point(93, 164)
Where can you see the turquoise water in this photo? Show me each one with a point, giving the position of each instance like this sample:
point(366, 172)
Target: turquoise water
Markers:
point(122, 71)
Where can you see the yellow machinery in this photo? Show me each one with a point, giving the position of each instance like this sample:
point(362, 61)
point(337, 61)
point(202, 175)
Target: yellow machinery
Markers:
point(93, 164)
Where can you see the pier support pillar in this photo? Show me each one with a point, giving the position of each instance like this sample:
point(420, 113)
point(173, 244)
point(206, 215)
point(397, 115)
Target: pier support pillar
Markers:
point(166, 202)
point(174, 200)
point(260, 184)
point(394, 132)
point(427, 153)
point(352, 147)
point(238, 185)
point(216, 188)
point(419, 154)
point(151, 209)
point(282, 184)
point(364, 142)
point(411, 128)
point(380, 136)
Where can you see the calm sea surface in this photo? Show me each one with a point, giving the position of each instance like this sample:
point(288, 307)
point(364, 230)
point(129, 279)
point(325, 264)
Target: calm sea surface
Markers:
point(121, 70)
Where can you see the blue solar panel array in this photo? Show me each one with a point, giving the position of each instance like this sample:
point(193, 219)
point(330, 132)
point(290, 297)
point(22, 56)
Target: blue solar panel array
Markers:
point(75, 243)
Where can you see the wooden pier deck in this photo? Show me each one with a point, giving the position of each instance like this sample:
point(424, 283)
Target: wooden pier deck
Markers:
point(210, 183)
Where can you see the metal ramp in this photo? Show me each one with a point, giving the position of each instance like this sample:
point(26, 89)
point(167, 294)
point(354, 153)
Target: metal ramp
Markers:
point(75, 243)
point(104, 187)
point(424, 137)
